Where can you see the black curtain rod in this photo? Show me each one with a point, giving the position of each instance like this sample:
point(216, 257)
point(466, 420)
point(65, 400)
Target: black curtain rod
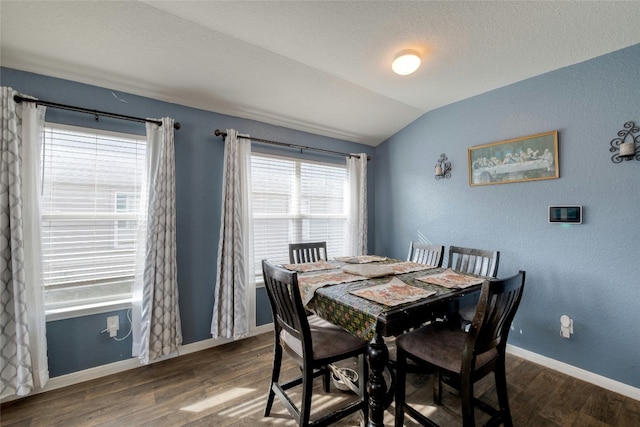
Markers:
point(18, 99)
point(218, 132)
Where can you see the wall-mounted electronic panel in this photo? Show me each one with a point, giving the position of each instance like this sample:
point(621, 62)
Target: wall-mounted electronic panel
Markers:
point(571, 214)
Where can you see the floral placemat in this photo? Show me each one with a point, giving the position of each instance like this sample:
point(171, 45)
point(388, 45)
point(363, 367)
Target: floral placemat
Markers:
point(361, 259)
point(369, 270)
point(393, 293)
point(452, 280)
point(308, 283)
point(310, 266)
point(409, 267)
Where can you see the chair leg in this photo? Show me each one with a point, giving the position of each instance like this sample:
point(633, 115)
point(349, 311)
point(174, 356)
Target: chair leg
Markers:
point(326, 379)
point(275, 376)
point(466, 398)
point(401, 380)
point(307, 389)
point(503, 399)
point(437, 387)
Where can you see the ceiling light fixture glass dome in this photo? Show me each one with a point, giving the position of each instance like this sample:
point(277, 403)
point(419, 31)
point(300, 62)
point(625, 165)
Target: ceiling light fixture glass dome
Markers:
point(406, 62)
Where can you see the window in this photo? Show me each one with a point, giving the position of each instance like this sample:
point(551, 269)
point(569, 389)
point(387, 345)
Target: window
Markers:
point(91, 190)
point(126, 228)
point(296, 201)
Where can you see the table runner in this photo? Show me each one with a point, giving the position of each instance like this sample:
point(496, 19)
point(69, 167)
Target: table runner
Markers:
point(361, 259)
point(309, 283)
point(359, 315)
point(311, 266)
point(409, 267)
point(369, 270)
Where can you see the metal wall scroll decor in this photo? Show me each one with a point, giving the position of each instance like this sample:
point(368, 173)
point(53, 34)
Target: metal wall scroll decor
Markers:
point(443, 167)
point(627, 145)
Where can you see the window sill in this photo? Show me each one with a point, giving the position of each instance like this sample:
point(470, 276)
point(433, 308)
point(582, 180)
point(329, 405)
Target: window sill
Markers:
point(86, 310)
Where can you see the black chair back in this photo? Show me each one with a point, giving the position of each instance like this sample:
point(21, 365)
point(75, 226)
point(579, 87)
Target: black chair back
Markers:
point(288, 310)
point(307, 252)
point(499, 301)
point(474, 261)
point(425, 253)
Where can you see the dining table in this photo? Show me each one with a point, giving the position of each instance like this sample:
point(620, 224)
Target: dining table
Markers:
point(374, 297)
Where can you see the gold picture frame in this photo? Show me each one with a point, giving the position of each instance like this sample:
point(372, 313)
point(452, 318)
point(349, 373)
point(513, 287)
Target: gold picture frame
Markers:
point(528, 158)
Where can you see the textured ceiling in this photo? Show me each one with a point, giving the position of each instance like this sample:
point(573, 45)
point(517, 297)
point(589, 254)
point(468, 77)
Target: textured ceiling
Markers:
point(321, 67)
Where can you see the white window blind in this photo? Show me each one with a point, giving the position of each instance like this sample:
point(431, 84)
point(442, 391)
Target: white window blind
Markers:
point(296, 201)
point(92, 183)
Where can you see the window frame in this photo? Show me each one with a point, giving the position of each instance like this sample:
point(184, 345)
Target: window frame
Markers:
point(298, 216)
point(60, 312)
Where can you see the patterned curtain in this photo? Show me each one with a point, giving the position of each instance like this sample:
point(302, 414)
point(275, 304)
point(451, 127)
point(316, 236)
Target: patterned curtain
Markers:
point(235, 275)
point(357, 221)
point(157, 330)
point(23, 345)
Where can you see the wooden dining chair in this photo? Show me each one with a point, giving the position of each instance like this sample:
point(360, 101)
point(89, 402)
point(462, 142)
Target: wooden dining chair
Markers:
point(460, 358)
point(425, 253)
point(474, 261)
point(307, 252)
point(422, 253)
point(313, 344)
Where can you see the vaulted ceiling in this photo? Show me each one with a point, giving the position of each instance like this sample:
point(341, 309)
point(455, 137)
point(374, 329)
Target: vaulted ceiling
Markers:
point(317, 66)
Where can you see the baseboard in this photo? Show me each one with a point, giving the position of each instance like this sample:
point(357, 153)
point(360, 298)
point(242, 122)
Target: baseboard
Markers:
point(572, 371)
point(213, 342)
point(125, 365)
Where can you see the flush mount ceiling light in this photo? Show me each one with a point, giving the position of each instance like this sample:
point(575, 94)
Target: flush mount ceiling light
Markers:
point(406, 62)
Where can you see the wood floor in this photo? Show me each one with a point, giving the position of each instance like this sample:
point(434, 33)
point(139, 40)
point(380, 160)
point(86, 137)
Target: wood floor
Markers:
point(227, 386)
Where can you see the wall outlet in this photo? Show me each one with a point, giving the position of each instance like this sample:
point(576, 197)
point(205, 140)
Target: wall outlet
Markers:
point(566, 326)
point(113, 324)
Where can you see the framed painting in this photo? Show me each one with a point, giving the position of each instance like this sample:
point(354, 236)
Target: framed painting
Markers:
point(528, 158)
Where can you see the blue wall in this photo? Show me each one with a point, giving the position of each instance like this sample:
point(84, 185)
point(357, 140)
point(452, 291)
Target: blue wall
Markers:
point(591, 271)
point(76, 344)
